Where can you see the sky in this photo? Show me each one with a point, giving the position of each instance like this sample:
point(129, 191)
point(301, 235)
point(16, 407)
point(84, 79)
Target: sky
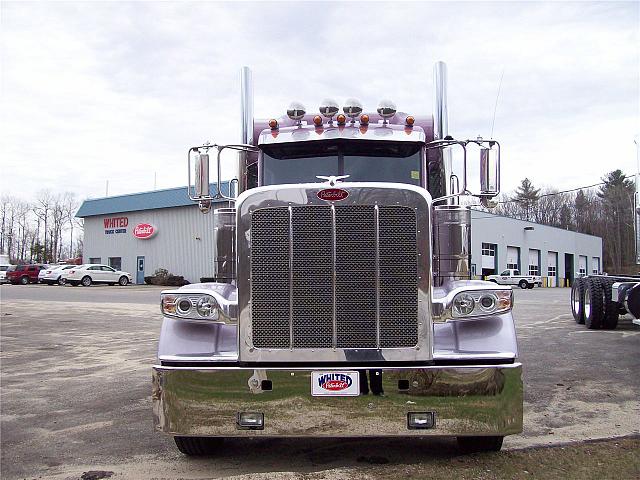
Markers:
point(118, 92)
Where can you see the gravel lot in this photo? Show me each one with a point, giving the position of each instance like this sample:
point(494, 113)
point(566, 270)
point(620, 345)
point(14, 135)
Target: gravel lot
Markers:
point(75, 365)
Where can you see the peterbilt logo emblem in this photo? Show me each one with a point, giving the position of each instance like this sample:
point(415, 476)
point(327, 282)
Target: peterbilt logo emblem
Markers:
point(332, 194)
point(144, 231)
point(334, 382)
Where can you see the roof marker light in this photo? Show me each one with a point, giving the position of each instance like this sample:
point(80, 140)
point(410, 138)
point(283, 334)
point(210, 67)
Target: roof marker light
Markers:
point(328, 108)
point(317, 121)
point(341, 119)
point(296, 111)
point(364, 119)
point(352, 108)
point(410, 121)
point(386, 109)
point(273, 124)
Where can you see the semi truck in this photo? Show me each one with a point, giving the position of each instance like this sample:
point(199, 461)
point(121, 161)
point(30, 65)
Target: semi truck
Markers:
point(342, 303)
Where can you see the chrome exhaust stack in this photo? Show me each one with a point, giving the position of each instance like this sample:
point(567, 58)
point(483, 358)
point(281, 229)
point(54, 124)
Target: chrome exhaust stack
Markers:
point(451, 222)
point(246, 121)
point(441, 127)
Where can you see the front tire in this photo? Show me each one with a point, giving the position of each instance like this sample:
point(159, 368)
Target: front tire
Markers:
point(123, 282)
point(523, 284)
point(479, 444)
point(24, 280)
point(86, 281)
point(199, 445)
point(61, 281)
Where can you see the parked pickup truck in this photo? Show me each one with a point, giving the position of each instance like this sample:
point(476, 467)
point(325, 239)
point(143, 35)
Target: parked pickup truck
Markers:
point(513, 277)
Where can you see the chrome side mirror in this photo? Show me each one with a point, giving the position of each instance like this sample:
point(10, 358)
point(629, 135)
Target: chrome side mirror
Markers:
point(201, 161)
point(490, 171)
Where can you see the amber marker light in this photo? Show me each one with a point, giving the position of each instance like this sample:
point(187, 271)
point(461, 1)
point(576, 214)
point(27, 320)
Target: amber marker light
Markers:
point(341, 119)
point(273, 124)
point(410, 121)
point(317, 121)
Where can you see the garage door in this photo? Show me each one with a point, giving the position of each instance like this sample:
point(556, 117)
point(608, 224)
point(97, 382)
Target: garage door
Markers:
point(534, 261)
point(582, 265)
point(552, 269)
point(595, 265)
point(513, 258)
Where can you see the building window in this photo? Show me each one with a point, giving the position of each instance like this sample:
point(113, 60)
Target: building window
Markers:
point(489, 249)
point(95, 260)
point(582, 272)
point(115, 263)
point(512, 266)
point(551, 271)
point(534, 270)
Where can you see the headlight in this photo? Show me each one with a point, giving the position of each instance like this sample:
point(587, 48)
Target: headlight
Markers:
point(481, 302)
point(206, 306)
point(190, 306)
point(463, 304)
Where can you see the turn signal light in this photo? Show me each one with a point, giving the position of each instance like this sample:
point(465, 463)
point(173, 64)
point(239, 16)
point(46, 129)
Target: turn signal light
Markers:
point(273, 124)
point(168, 304)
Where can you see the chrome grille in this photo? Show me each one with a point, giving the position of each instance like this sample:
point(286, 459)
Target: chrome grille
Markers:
point(334, 276)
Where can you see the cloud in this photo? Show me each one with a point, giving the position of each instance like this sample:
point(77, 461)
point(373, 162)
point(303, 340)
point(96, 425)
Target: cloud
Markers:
point(119, 91)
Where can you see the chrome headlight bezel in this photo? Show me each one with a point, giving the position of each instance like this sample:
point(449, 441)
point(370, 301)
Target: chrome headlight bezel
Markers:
point(175, 305)
point(485, 300)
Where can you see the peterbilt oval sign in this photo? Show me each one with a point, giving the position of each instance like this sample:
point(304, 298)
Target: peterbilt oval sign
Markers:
point(143, 231)
point(332, 194)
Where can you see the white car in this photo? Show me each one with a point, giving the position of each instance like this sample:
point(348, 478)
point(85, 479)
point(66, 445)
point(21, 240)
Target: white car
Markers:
point(53, 274)
point(85, 275)
point(3, 273)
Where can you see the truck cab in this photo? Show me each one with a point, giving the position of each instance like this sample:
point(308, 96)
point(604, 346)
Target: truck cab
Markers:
point(343, 304)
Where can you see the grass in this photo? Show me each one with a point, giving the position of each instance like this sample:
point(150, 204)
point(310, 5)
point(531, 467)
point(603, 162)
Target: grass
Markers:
point(617, 459)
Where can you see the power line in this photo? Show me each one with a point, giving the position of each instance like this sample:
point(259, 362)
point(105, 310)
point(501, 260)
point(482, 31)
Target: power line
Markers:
point(624, 177)
point(495, 107)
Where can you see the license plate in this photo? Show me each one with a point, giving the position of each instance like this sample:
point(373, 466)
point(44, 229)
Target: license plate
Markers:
point(335, 384)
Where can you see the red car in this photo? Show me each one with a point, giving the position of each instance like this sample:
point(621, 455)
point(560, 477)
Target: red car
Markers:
point(24, 274)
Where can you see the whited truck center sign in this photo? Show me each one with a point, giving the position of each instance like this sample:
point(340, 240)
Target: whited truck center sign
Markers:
point(115, 225)
point(142, 231)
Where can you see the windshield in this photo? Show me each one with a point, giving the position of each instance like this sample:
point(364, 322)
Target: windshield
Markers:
point(363, 161)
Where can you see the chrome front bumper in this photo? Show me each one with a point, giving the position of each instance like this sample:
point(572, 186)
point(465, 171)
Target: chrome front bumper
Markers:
point(466, 400)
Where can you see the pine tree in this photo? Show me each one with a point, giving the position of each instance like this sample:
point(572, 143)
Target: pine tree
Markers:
point(526, 197)
point(617, 207)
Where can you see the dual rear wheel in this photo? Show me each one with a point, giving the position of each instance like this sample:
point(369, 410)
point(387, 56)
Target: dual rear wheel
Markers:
point(592, 303)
